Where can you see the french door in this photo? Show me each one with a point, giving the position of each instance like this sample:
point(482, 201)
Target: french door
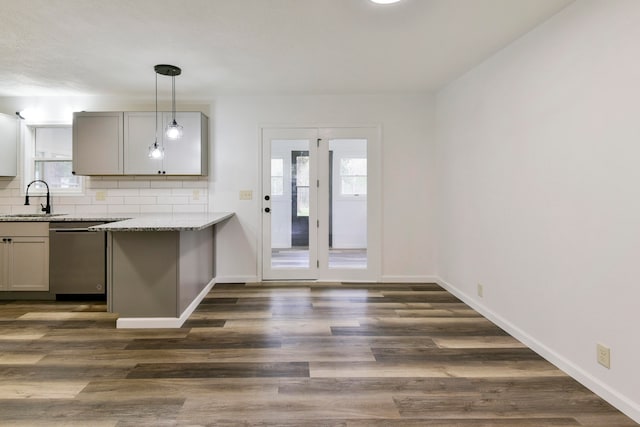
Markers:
point(320, 204)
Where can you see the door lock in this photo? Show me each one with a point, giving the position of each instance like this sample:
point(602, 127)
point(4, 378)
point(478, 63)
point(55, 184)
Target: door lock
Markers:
point(267, 197)
point(267, 210)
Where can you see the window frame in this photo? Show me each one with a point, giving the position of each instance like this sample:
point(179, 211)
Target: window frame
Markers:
point(339, 177)
point(283, 176)
point(29, 162)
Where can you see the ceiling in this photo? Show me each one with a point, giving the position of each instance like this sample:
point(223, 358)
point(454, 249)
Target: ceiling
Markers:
point(109, 47)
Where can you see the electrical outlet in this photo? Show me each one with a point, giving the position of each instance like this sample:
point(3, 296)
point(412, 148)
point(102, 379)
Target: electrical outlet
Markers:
point(196, 194)
point(101, 195)
point(604, 356)
point(246, 194)
point(480, 290)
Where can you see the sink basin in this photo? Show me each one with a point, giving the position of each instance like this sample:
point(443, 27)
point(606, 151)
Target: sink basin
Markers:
point(30, 215)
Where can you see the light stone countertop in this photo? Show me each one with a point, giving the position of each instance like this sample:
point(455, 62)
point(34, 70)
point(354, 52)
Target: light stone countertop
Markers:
point(133, 222)
point(64, 217)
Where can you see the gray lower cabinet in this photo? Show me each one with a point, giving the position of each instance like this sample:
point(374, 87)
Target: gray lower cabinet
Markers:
point(157, 274)
point(117, 143)
point(24, 256)
point(8, 145)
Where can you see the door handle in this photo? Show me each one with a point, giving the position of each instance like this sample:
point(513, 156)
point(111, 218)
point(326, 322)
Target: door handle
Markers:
point(267, 210)
point(267, 197)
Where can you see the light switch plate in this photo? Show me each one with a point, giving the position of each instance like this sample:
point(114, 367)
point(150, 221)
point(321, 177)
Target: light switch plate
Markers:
point(101, 195)
point(246, 194)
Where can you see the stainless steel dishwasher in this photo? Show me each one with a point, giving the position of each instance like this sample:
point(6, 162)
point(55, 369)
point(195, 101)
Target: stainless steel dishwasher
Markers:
point(77, 258)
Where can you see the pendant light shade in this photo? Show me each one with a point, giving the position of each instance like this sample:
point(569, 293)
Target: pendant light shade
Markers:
point(156, 151)
point(174, 130)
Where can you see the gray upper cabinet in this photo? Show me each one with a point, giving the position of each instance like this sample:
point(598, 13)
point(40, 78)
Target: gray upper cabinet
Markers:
point(186, 156)
point(8, 145)
point(98, 143)
point(139, 134)
point(189, 154)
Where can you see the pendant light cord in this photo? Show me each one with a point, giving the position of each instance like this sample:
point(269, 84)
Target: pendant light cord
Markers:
point(173, 97)
point(156, 107)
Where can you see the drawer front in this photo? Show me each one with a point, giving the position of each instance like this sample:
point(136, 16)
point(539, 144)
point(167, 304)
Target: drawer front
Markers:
point(24, 229)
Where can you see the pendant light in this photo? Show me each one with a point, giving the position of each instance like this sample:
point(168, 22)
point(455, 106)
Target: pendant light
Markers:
point(173, 130)
point(156, 151)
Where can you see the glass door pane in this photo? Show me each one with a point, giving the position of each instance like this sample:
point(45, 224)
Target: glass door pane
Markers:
point(347, 204)
point(290, 204)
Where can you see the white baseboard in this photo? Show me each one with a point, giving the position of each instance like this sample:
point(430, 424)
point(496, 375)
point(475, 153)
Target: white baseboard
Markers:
point(164, 322)
point(383, 279)
point(409, 279)
point(621, 402)
point(237, 279)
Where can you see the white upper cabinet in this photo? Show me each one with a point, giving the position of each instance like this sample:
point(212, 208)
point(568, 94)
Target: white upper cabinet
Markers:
point(97, 143)
point(8, 145)
point(185, 156)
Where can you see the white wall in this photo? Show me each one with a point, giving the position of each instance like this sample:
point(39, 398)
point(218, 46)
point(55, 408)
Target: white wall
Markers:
point(539, 192)
point(407, 147)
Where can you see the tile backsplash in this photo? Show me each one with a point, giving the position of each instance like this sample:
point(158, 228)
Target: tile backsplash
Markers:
point(121, 194)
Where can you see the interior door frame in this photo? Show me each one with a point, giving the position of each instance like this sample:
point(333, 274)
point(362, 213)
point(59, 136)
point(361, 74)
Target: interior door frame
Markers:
point(318, 247)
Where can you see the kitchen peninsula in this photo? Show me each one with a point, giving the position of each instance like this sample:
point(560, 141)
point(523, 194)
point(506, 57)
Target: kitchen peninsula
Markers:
point(159, 267)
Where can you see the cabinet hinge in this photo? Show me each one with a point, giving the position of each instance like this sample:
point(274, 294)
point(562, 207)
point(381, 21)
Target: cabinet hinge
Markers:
point(318, 183)
point(318, 142)
point(317, 223)
point(317, 263)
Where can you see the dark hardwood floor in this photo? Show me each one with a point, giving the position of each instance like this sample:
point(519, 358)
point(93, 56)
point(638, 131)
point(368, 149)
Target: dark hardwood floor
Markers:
point(284, 354)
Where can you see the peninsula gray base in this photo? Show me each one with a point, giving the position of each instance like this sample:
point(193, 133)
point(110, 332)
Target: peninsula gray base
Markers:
point(158, 275)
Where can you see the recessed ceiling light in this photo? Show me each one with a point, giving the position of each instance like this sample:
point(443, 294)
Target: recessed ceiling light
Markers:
point(385, 1)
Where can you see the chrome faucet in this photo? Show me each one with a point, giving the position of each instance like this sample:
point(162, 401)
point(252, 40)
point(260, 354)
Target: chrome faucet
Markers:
point(45, 209)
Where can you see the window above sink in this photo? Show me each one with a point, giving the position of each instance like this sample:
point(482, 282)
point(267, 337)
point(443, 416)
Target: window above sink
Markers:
point(48, 157)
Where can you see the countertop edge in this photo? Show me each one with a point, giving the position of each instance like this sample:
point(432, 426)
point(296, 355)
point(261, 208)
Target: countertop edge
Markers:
point(133, 222)
point(164, 223)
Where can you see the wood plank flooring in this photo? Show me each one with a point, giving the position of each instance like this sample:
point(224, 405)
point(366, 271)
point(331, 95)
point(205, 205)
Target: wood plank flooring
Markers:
point(284, 354)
